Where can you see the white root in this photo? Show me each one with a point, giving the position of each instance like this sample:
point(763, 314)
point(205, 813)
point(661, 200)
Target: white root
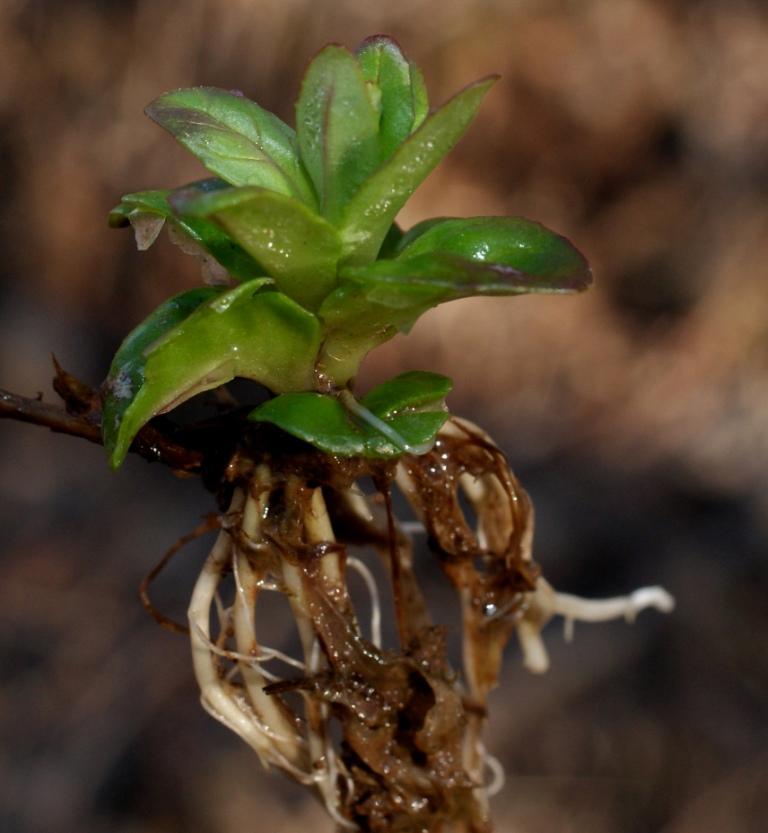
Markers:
point(234, 656)
point(498, 777)
point(216, 695)
point(244, 622)
point(574, 608)
point(535, 656)
point(245, 709)
point(545, 603)
point(255, 718)
point(373, 591)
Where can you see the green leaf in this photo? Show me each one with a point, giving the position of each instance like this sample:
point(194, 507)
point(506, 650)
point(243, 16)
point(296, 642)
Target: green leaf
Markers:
point(400, 105)
point(369, 214)
point(376, 301)
point(526, 255)
point(247, 332)
point(126, 375)
point(410, 390)
point(391, 244)
point(386, 423)
point(420, 97)
point(147, 211)
point(235, 139)
point(298, 248)
point(415, 231)
point(337, 128)
point(426, 280)
point(315, 418)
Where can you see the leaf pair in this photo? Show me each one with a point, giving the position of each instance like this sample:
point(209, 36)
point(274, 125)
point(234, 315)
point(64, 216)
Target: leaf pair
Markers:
point(353, 111)
point(367, 140)
point(401, 415)
point(397, 89)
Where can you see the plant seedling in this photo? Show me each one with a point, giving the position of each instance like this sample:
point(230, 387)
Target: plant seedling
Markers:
point(306, 272)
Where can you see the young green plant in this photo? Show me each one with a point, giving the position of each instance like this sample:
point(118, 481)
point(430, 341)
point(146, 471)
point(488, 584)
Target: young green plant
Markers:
point(307, 271)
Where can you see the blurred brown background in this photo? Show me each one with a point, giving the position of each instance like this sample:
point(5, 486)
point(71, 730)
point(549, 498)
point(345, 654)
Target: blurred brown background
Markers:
point(637, 414)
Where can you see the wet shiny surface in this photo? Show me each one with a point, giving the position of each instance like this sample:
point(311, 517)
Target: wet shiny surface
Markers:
point(634, 414)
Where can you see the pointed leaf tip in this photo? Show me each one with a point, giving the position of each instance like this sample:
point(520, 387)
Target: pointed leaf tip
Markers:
point(401, 95)
point(371, 211)
point(526, 256)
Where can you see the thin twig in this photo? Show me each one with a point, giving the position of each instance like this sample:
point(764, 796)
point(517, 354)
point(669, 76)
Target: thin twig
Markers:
point(82, 418)
point(37, 412)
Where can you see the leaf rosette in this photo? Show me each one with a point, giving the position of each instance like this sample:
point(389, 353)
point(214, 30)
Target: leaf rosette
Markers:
point(308, 269)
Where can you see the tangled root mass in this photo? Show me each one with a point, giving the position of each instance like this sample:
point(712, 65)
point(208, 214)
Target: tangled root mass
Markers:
point(407, 756)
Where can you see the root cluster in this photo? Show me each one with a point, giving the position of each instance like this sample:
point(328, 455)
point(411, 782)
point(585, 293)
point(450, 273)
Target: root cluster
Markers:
point(405, 754)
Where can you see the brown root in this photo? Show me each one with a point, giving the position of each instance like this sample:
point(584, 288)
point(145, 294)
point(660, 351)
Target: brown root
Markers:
point(208, 525)
point(407, 754)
